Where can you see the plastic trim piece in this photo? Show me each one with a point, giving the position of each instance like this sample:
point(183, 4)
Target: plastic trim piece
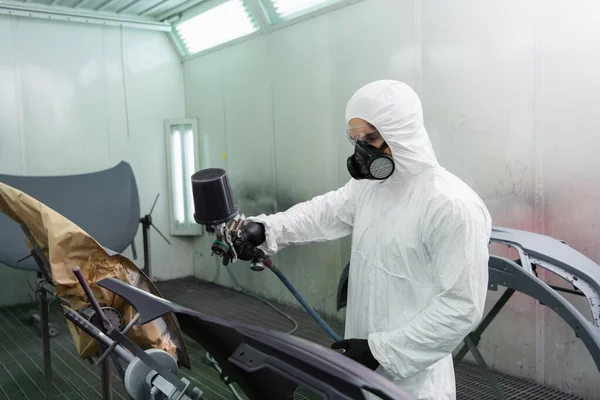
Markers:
point(510, 275)
point(265, 364)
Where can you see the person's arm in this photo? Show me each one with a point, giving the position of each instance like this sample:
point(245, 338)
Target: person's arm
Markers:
point(456, 237)
point(326, 217)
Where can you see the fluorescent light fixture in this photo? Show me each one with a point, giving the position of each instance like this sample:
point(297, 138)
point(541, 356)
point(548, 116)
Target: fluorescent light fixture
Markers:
point(176, 165)
point(290, 8)
point(221, 24)
point(190, 168)
point(182, 163)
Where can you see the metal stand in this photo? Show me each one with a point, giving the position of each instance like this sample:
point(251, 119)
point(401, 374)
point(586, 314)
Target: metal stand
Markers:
point(146, 222)
point(42, 293)
point(105, 376)
point(46, 343)
point(472, 341)
point(46, 292)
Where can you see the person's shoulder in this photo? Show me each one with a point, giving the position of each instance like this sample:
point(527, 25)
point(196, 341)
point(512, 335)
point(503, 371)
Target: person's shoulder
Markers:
point(444, 186)
point(357, 187)
point(445, 193)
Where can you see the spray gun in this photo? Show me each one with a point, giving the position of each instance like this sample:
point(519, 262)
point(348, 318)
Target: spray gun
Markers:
point(245, 238)
point(215, 208)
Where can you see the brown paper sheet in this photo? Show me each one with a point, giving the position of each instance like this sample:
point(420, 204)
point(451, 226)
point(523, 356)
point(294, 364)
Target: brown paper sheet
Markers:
point(66, 245)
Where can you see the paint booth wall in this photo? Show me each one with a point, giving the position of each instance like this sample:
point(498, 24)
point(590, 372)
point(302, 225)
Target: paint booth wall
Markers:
point(81, 98)
point(510, 94)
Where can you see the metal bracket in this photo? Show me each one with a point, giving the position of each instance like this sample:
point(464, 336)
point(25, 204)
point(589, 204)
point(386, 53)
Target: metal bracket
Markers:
point(109, 350)
point(144, 357)
point(484, 367)
point(472, 341)
point(476, 334)
point(38, 254)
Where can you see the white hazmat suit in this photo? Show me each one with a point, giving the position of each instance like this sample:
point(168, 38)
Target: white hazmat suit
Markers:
point(418, 269)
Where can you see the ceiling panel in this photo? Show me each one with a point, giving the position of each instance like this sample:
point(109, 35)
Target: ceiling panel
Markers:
point(85, 4)
point(66, 3)
point(141, 8)
point(155, 8)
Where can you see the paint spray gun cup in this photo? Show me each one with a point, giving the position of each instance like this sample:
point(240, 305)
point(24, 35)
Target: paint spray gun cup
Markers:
point(215, 208)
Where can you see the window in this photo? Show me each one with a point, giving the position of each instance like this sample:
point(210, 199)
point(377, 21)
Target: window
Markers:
point(287, 9)
point(223, 23)
point(182, 162)
point(212, 23)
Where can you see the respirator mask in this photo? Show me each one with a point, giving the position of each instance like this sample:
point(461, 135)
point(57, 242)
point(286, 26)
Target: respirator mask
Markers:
point(370, 162)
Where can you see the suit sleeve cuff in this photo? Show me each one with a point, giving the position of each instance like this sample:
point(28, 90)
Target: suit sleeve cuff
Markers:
point(377, 346)
point(269, 247)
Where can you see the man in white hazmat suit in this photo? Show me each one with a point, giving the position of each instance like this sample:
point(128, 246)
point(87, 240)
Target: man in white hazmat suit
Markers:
point(418, 269)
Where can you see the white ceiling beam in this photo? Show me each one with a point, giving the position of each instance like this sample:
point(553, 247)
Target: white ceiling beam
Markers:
point(79, 15)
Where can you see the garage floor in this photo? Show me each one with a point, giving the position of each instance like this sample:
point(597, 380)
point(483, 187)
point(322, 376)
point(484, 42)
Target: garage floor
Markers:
point(21, 368)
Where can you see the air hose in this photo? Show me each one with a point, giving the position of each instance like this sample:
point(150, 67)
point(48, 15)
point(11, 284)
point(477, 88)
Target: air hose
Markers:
point(308, 308)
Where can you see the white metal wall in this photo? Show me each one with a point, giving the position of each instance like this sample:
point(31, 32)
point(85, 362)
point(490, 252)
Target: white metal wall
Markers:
point(63, 111)
point(271, 111)
point(510, 92)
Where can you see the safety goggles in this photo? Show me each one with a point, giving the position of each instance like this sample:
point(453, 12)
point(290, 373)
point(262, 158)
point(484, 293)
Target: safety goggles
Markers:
point(367, 137)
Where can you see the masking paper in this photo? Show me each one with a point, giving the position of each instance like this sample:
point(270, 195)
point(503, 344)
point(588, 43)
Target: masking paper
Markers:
point(66, 245)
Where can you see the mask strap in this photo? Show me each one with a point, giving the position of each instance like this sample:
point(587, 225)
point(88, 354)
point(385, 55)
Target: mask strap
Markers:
point(383, 146)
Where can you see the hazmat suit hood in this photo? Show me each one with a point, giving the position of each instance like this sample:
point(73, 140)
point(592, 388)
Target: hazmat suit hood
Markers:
point(395, 110)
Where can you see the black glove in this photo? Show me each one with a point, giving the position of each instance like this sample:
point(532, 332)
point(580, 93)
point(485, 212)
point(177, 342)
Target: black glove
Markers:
point(251, 236)
point(245, 251)
point(254, 233)
point(358, 350)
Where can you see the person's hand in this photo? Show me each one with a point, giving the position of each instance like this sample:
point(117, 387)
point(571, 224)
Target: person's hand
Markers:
point(358, 350)
point(245, 251)
point(251, 236)
point(254, 233)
